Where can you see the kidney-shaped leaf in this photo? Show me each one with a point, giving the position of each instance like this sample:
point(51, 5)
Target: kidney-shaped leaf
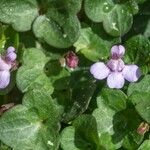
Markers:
point(20, 14)
point(60, 31)
point(141, 100)
point(33, 125)
point(31, 74)
point(141, 86)
point(91, 45)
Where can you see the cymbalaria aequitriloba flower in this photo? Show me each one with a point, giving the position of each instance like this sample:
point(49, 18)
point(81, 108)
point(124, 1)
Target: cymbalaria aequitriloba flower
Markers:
point(6, 64)
point(115, 70)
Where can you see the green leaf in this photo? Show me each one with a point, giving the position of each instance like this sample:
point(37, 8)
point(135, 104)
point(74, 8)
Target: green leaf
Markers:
point(142, 104)
point(145, 145)
point(35, 98)
point(104, 116)
point(112, 15)
point(31, 75)
point(114, 23)
point(141, 1)
point(33, 56)
point(4, 147)
point(98, 9)
point(129, 143)
point(92, 46)
point(115, 99)
point(141, 21)
point(132, 6)
point(69, 143)
point(147, 31)
point(109, 121)
point(33, 125)
point(106, 141)
point(137, 50)
point(15, 13)
point(21, 128)
point(82, 135)
point(141, 86)
point(72, 6)
point(132, 139)
point(58, 75)
point(68, 6)
point(77, 102)
point(61, 31)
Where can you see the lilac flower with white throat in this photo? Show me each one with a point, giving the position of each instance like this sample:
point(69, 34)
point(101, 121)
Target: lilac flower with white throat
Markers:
point(115, 70)
point(6, 64)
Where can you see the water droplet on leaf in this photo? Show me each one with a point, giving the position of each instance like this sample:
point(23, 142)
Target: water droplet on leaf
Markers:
point(107, 7)
point(64, 35)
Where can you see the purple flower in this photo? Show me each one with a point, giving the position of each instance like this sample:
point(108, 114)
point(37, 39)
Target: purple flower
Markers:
point(6, 64)
point(4, 79)
point(117, 51)
point(115, 70)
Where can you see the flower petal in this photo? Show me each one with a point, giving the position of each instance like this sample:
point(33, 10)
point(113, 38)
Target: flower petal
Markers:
point(11, 57)
point(4, 65)
point(4, 79)
point(115, 80)
point(117, 51)
point(131, 73)
point(99, 70)
point(116, 64)
point(10, 49)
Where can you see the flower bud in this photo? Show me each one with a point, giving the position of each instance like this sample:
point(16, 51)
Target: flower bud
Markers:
point(71, 59)
point(62, 62)
point(143, 128)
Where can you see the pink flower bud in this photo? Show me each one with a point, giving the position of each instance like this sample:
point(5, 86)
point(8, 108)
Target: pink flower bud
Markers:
point(71, 59)
point(143, 128)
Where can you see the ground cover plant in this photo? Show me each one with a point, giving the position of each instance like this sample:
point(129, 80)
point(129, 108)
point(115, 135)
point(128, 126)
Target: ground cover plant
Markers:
point(74, 74)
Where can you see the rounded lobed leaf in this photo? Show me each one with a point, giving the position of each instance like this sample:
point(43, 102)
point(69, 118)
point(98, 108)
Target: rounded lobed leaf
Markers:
point(82, 135)
point(91, 45)
point(145, 145)
point(118, 21)
point(58, 33)
point(142, 104)
point(33, 125)
point(141, 86)
point(98, 9)
point(20, 14)
point(31, 75)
